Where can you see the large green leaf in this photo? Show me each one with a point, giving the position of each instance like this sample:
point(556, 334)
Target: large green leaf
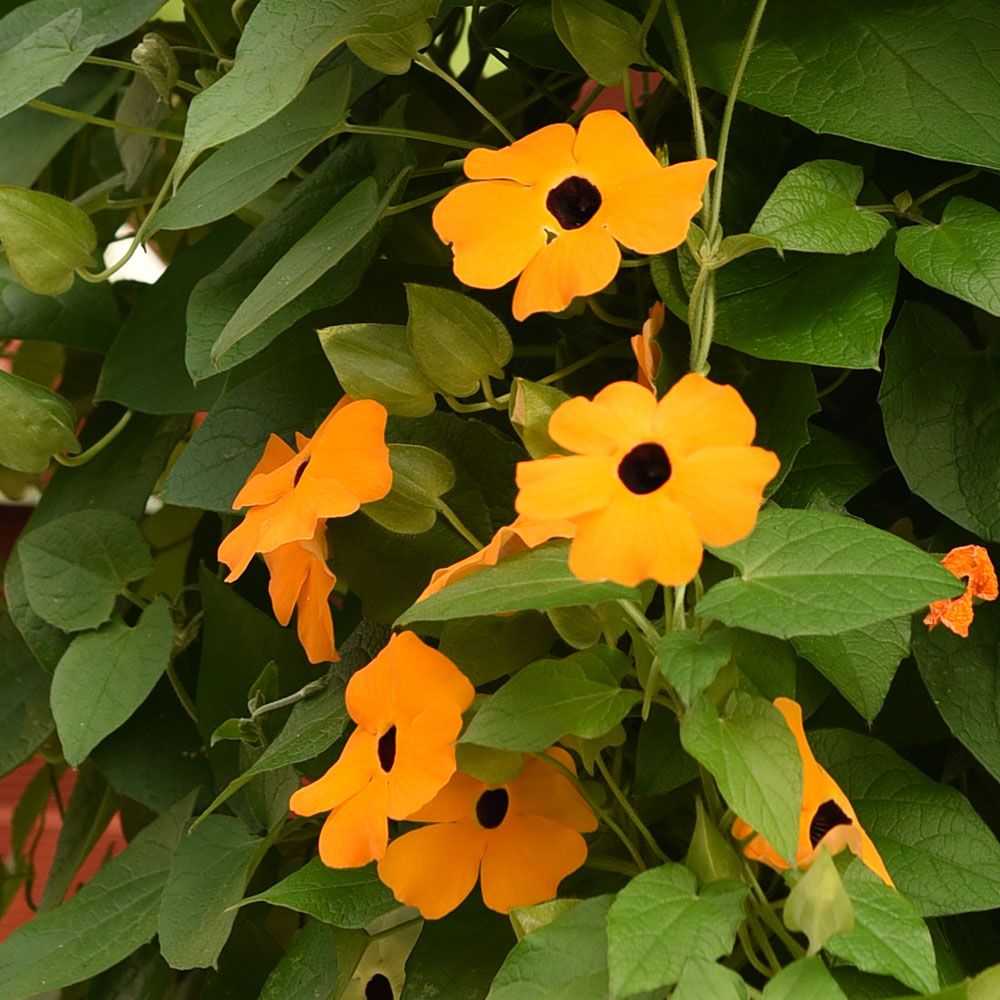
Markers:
point(701, 979)
point(864, 71)
point(25, 718)
point(944, 433)
point(808, 977)
point(659, 921)
point(751, 753)
point(603, 38)
point(38, 424)
point(310, 968)
point(106, 675)
point(535, 580)
point(940, 854)
point(813, 573)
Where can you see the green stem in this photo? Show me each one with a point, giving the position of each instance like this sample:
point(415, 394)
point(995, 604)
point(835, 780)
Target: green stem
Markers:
point(405, 133)
point(199, 23)
point(416, 203)
point(605, 317)
point(54, 109)
point(835, 384)
point(751, 955)
point(645, 626)
point(307, 691)
point(453, 519)
point(604, 864)
point(633, 117)
point(703, 330)
point(628, 810)
point(98, 446)
point(579, 112)
point(934, 192)
point(497, 403)
point(577, 365)
point(460, 407)
point(422, 59)
point(767, 914)
point(182, 696)
point(764, 944)
point(132, 68)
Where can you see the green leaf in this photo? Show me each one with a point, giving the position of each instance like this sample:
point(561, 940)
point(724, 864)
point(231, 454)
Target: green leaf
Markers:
point(658, 922)
point(822, 310)
point(701, 980)
point(535, 580)
point(457, 342)
point(959, 255)
point(813, 573)
point(733, 247)
point(25, 718)
point(940, 854)
point(564, 960)
point(962, 677)
point(710, 856)
point(888, 936)
point(661, 762)
point(420, 477)
point(210, 869)
point(392, 52)
point(38, 424)
point(814, 208)
point(108, 919)
point(106, 675)
point(45, 643)
point(310, 968)
point(75, 566)
point(751, 753)
point(808, 977)
point(488, 648)
point(689, 661)
point(604, 39)
point(374, 361)
point(580, 695)
point(860, 663)
point(249, 165)
point(818, 905)
point(45, 238)
point(348, 897)
point(531, 405)
point(278, 51)
point(944, 433)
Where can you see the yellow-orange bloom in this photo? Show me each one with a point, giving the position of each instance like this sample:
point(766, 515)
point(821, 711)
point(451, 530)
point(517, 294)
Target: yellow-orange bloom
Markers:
point(520, 839)
point(525, 533)
point(973, 563)
point(827, 818)
point(646, 350)
point(408, 704)
point(553, 207)
point(650, 481)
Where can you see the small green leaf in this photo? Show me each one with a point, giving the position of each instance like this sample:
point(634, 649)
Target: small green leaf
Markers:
point(75, 566)
point(25, 718)
point(734, 247)
point(819, 905)
point(45, 238)
point(531, 405)
point(689, 661)
point(106, 675)
point(311, 968)
point(457, 342)
point(604, 39)
point(751, 753)
point(658, 922)
point(392, 52)
point(702, 980)
point(495, 767)
point(808, 977)
point(814, 208)
point(37, 424)
point(420, 477)
point(710, 855)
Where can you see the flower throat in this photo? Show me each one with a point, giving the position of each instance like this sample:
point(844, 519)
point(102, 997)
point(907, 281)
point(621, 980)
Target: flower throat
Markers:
point(574, 202)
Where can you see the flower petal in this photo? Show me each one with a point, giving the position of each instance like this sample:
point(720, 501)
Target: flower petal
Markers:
point(349, 448)
point(240, 545)
point(262, 485)
point(289, 567)
point(542, 157)
point(618, 418)
point(564, 487)
point(697, 413)
point(456, 801)
point(315, 620)
point(356, 832)
point(434, 868)
point(540, 790)
point(609, 149)
point(354, 769)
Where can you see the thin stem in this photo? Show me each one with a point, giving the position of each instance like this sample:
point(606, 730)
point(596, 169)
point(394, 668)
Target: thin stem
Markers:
point(751, 955)
point(182, 696)
point(577, 365)
point(313, 687)
point(132, 68)
point(647, 21)
point(98, 446)
point(605, 317)
point(497, 403)
point(765, 945)
point(835, 384)
point(934, 192)
point(727, 117)
point(405, 133)
point(584, 107)
point(605, 864)
point(706, 323)
point(645, 626)
point(460, 407)
point(422, 59)
point(199, 23)
point(633, 117)
point(80, 116)
point(453, 519)
point(416, 202)
point(628, 810)
point(766, 911)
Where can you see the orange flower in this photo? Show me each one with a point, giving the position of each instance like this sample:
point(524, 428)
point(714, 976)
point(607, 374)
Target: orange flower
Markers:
point(646, 350)
point(525, 533)
point(521, 839)
point(973, 563)
point(551, 206)
point(651, 481)
point(408, 705)
point(301, 579)
point(827, 818)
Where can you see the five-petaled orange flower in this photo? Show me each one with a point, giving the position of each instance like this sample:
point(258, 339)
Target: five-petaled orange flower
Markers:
point(650, 481)
point(973, 563)
point(520, 839)
point(408, 704)
point(827, 818)
point(553, 207)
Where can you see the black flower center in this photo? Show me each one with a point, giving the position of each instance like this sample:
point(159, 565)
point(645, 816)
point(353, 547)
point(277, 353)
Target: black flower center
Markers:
point(645, 468)
point(299, 472)
point(387, 749)
point(378, 988)
point(574, 202)
point(492, 807)
point(827, 817)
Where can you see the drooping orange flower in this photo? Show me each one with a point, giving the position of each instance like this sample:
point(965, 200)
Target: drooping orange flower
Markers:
point(345, 464)
point(520, 839)
point(524, 533)
point(971, 562)
point(553, 207)
point(408, 704)
point(827, 818)
point(302, 581)
point(646, 350)
point(650, 481)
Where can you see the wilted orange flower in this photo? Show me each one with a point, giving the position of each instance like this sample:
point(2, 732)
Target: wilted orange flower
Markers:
point(521, 839)
point(408, 704)
point(646, 350)
point(345, 464)
point(973, 563)
point(525, 533)
point(827, 818)
point(301, 579)
point(551, 206)
point(651, 481)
